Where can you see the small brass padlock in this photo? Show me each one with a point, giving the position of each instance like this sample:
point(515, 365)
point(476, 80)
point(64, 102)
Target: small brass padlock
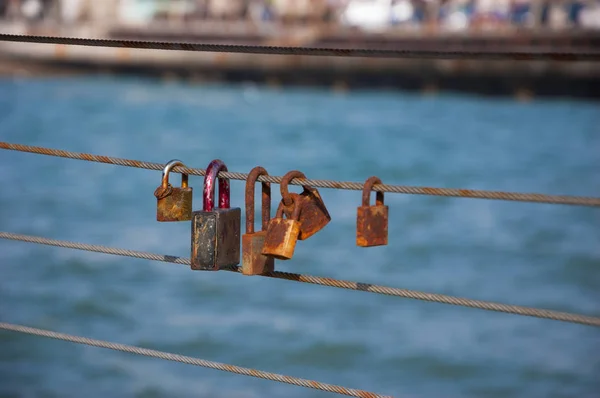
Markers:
point(253, 261)
point(215, 231)
point(372, 221)
point(173, 203)
point(282, 234)
point(313, 213)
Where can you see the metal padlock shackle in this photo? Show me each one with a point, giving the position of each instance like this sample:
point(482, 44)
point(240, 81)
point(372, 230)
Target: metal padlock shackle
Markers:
point(366, 193)
point(285, 180)
point(165, 175)
point(295, 200)
point(266, 199)
point(208, 194)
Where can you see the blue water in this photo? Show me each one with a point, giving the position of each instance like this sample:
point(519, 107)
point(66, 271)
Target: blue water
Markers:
point(528, 254)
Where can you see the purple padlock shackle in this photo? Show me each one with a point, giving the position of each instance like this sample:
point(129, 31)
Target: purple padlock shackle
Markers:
point(208, 194)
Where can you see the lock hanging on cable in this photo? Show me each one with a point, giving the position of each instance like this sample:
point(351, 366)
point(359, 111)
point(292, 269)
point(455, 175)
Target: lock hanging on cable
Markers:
point(253, 261)
point(173, 203)
point(372, 221)
point(313, 213)
point(215, 231)
point(282, 234)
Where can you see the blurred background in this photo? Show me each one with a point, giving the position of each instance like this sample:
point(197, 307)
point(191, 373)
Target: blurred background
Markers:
point(467, 25)
point(456, 14)
point(527, 126)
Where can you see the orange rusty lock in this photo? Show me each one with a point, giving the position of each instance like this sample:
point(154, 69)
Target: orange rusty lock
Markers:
point(372, 221)
point(313, 213)
point(173, 203)
point(282, 234)
point(253, 261)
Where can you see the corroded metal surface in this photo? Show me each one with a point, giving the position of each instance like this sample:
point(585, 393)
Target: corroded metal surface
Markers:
point(208, 194)
point(215, 232)
point(215, 239)
point(313, 213)
point(265, 199)
point(173, 203)
point(282, 234)
point(253, 261)
point(372, 221)
point(175, 206)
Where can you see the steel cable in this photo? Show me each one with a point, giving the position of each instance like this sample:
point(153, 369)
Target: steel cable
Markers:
point(404, 189)
point(414, 51)
point(190, 361)
point(366, 287)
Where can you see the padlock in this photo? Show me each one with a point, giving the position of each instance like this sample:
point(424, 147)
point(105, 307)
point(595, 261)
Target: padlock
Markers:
point(282, 234)
point(215, 231)
point(313, 213)
point(372, 221)
point(253, 261)
point(172, 203)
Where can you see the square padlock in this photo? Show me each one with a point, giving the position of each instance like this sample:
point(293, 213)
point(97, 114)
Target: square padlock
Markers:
point(215, 239)
point(372, 221)
point(215, 231)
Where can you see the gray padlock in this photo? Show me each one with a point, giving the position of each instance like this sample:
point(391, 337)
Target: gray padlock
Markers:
point(215, 232)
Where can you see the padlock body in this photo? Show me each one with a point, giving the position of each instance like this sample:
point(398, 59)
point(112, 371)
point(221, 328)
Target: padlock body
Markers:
point(372, 226)
point(313, 213)
point(177, 206)
point(215, 239)
point(281, 237)
point(253, 261)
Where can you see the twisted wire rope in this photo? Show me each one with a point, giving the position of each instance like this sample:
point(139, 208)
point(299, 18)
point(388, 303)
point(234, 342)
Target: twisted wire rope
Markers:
point(400, 53)
point(403, 189)
point(323, 281)
point(412, 51)
point(190, 361)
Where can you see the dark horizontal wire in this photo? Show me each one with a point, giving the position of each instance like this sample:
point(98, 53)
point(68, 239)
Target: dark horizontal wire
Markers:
point(190, 361)
point(366, 287)
point(407, 52)
point(404, 189)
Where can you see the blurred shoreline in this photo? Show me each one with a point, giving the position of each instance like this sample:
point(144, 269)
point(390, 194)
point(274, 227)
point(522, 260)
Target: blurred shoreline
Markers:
point(439, 29)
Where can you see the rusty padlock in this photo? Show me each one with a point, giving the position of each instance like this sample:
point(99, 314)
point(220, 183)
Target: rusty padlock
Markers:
point(253, 261)
point(372, 221)
point(215, 231)
point(282, 234)
point(173, 203)
point(313, 213)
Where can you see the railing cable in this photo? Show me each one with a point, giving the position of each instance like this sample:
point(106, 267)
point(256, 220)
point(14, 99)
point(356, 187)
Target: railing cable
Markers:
point(190, 361)
point(366, 287)
point(414, 51)
point(404, 189)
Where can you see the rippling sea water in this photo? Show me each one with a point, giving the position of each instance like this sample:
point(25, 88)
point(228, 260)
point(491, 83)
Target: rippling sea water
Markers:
point(529, 254)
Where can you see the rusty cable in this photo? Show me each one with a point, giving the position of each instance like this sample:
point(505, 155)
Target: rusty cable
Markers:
point(357, 186)
point(414, 51)
point(190, 361)
point(317, 280)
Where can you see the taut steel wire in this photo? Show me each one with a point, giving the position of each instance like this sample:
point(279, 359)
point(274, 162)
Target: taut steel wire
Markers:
point(190, 361)
point(366, 287)
point(404, 189)
point(564, 54)
point(414, 51)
